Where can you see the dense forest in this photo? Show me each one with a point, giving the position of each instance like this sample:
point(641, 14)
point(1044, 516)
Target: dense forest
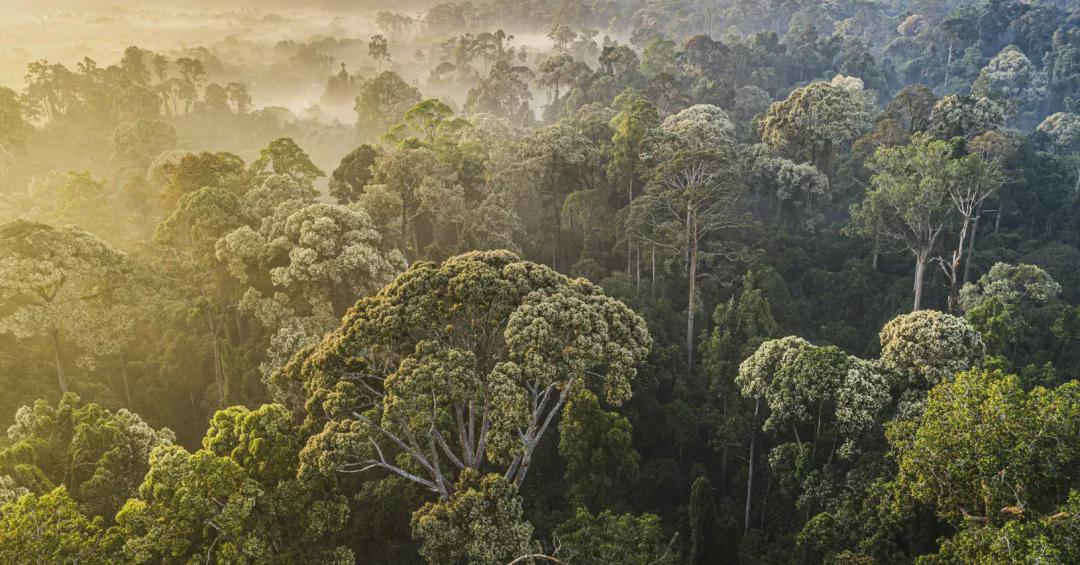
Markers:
point(541, 282)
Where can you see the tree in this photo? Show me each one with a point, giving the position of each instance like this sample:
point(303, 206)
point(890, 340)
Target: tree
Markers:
point(990, 459)
point(379, 50)
point(965, 116)
point(189, 236)
point(980, 175)
point(614, 538)
point(428, 122)
point(556, 72)
point(392, 22)
point(928, 347)
point(636, 120)
point(820, 406)
point(75, 198)
point(658, 57)
point(13, 124)
point(704, 524)
point(198, 221)
point(136, 144)
point(284, 157)
point(316, 259)
point(693, 195)
point(481, 523)
point(504, 93)
point(239, 97)
point(460, 366)
point(49, 528)
point(1002, 303)
point(348, 180)
point(1011, 79)
point(912, 108)
point(382, 99)
point(54, 279)
point(816, 123)
point(739, 328)
point(181, 174)
point(403, 184)
point(908, 202)
point(557, 160)
point(236, 500)
point(96, 455)
point(596, 445)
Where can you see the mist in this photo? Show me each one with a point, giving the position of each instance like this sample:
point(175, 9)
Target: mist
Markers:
point(525, 282)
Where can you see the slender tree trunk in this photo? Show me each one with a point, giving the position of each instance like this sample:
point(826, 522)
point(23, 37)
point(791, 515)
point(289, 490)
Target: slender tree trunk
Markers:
point(750, 473)
point(971, 245)
point(55, 334)
point(637, 252)
point(765, 500)
point(690, 305)
point(652, 281)
point(124, 378)
point(955, 278)
point(556, 255)
point(877, 250)
point(630, 200)
point(404, 230)
point(948, 67)
point(219, 369)
point(920, 268)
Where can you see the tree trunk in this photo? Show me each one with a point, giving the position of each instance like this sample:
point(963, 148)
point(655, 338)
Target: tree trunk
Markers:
point(637, 252)
point(920, 268)
point(750, 474)
point(124, 378)
point(556, 254)
point(690, 306)
point(971, 245)
point(954, 268)
point(948, 67)
point(652, 282)
point(59, 364)
point(404, 230)
point(630, 200)
point(877, 251)
point(219, 370)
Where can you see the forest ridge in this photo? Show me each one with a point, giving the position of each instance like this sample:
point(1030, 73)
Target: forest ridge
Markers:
point(578, 282)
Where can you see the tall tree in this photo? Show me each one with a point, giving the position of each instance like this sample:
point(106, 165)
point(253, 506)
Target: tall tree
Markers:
point(458, 367)
point(908, 202)
point(694, 195)
point(55, 279)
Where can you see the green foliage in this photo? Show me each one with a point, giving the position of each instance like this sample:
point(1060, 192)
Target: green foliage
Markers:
point(705, 541)
point(348, 180)
point(927, 347)
point(284, 157)
point(236, 500)
point(183, 174)
point(95, 454)
point(993, 461)
point(613, 538)
point(596, 445)
point(49, 528)
point(481, 523)
point(495, 347)
point(54, 282)
point(711, 174)
point(382, 99)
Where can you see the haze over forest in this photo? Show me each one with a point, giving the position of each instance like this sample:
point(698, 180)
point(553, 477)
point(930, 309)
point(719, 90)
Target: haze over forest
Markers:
point(578, 282)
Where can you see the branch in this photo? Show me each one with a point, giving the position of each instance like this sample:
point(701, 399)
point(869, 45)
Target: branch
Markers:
point(525, 558)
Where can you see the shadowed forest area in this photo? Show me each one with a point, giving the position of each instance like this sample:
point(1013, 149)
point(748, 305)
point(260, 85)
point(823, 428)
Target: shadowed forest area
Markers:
point(578, 282)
